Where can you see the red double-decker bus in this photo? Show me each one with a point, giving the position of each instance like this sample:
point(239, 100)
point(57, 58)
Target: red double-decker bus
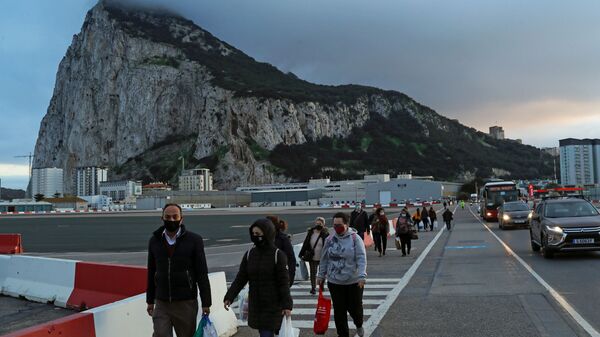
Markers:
point(493, 194)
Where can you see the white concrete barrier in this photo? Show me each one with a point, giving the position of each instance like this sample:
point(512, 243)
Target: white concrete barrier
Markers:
point(301, 266)
point(128, 317)
point(38, 279)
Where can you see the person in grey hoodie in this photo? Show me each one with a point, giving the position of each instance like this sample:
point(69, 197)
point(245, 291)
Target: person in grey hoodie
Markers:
point(344, 265)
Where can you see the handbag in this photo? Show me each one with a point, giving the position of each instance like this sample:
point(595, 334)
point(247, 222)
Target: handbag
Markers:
point(398, 244)
point(323, 314)
point(310, 253)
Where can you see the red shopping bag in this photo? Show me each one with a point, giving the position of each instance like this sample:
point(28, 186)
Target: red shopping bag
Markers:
point(368, 240)
point(323, 314)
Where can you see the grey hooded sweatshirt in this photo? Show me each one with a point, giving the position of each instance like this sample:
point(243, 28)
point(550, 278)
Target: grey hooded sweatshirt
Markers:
point(343, 259)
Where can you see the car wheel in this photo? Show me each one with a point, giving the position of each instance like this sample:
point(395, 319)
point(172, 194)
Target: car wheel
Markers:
point(546, 252)
point(534, 246)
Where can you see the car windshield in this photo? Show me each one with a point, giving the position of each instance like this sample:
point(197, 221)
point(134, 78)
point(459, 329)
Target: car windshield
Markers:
point(570, 209)
point(516, 207)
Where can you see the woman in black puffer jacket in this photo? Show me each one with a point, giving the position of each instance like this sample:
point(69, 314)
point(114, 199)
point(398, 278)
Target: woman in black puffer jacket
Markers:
point(264, 268)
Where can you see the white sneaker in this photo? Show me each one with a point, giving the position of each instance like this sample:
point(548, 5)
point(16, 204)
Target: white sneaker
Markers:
point(360, 331)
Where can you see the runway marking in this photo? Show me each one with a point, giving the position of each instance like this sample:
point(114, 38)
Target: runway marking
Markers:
point(558, 297)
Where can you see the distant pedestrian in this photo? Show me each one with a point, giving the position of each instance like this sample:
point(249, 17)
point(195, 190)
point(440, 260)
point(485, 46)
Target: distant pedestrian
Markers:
point(359, 220)
point(344, 266)
point(371, 219)
point(176, 271)
point(462, 204)
point(403, 231)
point(312, 248)
point(417, 219)
point(445, 204)
point(283, 242)
point(425, 219)
point(264, 268)
point(448, 217)
point(432, 217)
point(380, 229)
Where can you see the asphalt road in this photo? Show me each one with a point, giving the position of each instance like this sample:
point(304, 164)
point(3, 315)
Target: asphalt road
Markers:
point(129, 232)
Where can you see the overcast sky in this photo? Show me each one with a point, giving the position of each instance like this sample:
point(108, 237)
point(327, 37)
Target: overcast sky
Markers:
point(532, 67)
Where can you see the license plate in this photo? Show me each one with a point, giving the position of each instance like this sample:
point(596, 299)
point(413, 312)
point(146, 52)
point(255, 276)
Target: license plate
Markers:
point(583, 241)
point(519, 221)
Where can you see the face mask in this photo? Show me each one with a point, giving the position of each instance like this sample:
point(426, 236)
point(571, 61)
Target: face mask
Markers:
point(319, 227)
point(381, 213)
point(171, 226)
point(257, 240)
point(340, 229)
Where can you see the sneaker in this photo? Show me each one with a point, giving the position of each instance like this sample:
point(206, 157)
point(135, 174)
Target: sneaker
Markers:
point(360, 331)
point(313, 291)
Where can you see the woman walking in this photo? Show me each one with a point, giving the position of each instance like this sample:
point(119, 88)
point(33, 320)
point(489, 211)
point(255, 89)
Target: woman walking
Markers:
point(425, 218)
point(417, 219)
point(312, 248)
point(403, 231)
point(383, 228)
point(344, 266)
point(283, 242)
point(264, 268)
point(432, 217)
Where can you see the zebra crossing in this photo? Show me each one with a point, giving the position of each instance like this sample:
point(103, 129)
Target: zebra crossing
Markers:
point(375, 293)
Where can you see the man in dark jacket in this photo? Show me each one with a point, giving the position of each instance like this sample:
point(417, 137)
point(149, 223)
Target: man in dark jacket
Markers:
point(359, 220)
point(447, 216)
point(176, 271)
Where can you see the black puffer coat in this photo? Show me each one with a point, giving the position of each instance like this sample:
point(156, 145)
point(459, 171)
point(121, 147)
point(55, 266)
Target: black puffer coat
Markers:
point(283, 242)
point(269, 291)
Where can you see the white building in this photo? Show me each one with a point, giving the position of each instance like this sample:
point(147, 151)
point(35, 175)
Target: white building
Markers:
point(88, 179)
point(579, 161)
point(124, 190)
point(497, 132)
point(47, 181)
point(196, 180)
point(98, 202)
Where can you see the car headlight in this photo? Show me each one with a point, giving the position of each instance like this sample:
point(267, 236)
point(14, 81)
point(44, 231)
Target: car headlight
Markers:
point(505, 217)
point(554, 229)
point(530, 215)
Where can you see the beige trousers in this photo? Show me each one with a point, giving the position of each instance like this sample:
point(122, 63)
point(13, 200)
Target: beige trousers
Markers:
point(180, 315)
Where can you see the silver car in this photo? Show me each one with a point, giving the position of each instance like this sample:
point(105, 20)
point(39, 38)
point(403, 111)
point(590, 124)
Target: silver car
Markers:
point(513, 214)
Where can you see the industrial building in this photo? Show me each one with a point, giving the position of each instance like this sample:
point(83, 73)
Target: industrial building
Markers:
point(399, 190)
point(124, 190)
point(157, 199)
point(40, 206)
point(579, 161)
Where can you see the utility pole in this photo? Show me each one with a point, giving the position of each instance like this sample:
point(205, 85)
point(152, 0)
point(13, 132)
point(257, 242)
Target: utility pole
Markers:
point(554, 163)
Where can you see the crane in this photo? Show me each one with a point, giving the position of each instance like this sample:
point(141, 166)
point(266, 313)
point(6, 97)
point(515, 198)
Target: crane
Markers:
point(30, 156)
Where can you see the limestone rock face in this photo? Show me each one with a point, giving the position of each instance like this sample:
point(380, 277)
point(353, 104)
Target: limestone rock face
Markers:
point(119, 94)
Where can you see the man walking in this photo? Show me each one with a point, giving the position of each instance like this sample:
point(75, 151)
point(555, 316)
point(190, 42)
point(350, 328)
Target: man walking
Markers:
point(447, 216)
point(176, 271)
point(359, 220)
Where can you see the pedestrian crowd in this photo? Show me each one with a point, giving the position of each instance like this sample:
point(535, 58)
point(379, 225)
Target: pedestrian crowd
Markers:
point(336, 256)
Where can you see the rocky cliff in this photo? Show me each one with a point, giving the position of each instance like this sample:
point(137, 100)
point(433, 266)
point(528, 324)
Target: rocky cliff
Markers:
point(140, 90)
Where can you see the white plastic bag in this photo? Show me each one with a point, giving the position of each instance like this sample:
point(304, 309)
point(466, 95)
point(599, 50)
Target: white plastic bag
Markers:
point(435, 224)
point(287, 330)
point(243, 305)
point(421, 225)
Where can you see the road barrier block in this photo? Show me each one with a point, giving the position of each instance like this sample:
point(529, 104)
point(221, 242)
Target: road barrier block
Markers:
point(11, 244)
point(225, 321)
point(76, 325)
point(97, 284)
point(37, 279)
point(126, 317)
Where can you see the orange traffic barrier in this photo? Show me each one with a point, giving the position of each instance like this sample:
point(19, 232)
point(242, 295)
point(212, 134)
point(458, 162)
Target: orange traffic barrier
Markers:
point(11, 244)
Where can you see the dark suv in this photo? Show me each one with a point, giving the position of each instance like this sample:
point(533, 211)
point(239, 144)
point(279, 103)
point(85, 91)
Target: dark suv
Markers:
point(564, 225)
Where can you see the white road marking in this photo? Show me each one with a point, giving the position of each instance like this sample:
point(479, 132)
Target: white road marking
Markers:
point(558, 297)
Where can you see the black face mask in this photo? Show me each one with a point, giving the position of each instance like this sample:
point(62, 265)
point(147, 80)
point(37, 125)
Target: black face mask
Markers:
point(258, 240)
point(171, 226)
point(319, 227)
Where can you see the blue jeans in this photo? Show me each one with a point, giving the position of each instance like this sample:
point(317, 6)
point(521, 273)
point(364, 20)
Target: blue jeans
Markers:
point(266, 333)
